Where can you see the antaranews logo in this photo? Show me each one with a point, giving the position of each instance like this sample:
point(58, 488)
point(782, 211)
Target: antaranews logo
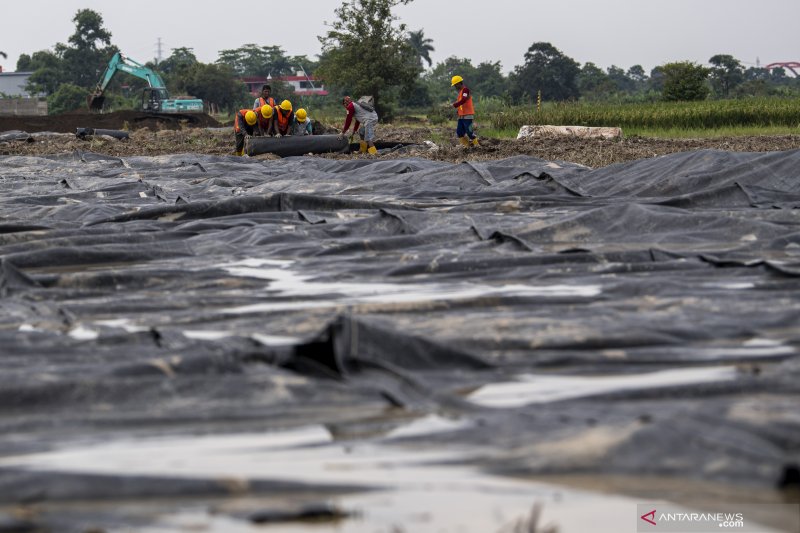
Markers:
point(650, 517)
point(665, 517)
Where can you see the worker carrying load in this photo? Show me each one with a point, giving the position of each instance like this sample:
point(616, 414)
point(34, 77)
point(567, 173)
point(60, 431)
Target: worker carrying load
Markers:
point(243, 125)
point(264, 99)
point(283, 119)
point(365, 116)
point(302, 123)
point(466, 113)
point(265, 117)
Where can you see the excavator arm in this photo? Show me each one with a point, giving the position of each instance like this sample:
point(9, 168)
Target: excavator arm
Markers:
point(125, 64)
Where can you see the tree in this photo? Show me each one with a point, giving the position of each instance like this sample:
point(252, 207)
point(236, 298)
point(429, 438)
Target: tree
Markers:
point(365, 54)
point(180, 60)
point(67, 98)
point(622, 83)
point(593, 83)
point(685, 81)
point(422, 46)
point(48, 71)
point(438, 79)
point(726, 73)
point(217, 84)
point(254, 60)
point(85, 59)
point(548, 70)
point(488, 80)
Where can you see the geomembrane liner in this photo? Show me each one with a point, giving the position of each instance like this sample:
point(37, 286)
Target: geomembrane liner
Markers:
point(192, 295)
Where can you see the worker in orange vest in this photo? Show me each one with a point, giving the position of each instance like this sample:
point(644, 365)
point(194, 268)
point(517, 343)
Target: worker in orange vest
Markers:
point(264, 99)
point(243, 125)
point(283, 119)
point(466, 112)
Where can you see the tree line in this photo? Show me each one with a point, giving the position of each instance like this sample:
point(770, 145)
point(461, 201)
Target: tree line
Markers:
point(368, 51)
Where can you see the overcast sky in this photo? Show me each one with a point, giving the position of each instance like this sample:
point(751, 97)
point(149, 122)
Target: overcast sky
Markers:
point(605, 32)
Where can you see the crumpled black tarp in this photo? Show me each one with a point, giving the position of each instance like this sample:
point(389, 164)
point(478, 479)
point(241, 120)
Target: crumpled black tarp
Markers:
point(405, 284)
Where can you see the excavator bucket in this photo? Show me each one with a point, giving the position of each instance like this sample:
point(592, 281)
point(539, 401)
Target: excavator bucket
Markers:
point(95, 101)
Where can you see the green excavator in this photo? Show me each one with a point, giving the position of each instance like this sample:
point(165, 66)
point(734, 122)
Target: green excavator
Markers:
point(155, 98)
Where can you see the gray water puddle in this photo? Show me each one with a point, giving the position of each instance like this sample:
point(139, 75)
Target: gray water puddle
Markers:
point(284, 281)
point(423, 490)
point(538, 388)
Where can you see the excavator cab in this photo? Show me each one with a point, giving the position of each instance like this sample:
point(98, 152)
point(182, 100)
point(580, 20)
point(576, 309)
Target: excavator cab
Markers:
point(152, 98)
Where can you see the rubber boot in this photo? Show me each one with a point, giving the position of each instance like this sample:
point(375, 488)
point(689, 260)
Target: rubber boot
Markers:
point(475, 142)
point(464, 141)
point(372, 150)
point(240, 152)
point(362, 147)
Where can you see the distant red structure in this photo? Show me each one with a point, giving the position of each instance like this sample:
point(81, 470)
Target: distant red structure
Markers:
point(791, 65)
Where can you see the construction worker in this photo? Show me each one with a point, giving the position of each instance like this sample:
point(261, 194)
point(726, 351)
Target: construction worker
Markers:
point(466, 112)
point(283, 119)
point(366, 118)
point(243, 125)
point(264, 99)
point(302, 123)
point(265, 119)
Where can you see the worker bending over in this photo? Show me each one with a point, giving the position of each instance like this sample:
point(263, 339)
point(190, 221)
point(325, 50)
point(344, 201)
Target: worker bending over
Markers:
point(283, 119)
point(466, 112)
point(366, 118)
point(302, 123)
point(265, 119)
point(243, 125)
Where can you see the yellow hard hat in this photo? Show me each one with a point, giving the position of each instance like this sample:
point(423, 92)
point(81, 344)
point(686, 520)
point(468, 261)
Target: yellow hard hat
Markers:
point(456, 79)
point(250, 117)
point(266, 111)
point(286, 105)
point(301, 114)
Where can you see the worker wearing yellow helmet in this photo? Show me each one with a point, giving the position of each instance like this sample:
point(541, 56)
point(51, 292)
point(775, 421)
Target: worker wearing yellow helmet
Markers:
point(243, 124)
point(466, 113)
point(265, 116)
point(302, 123)
point(283, 119)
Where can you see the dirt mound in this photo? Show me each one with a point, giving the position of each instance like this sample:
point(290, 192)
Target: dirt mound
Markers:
point(118, 120)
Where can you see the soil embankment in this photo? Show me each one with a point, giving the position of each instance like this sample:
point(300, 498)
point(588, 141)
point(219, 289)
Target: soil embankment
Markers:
point(130, 120)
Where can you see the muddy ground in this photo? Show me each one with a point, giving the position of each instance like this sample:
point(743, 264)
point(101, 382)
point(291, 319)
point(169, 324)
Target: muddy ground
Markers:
point(159, 136)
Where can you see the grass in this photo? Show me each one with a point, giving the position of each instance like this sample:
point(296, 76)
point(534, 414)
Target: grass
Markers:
point(666, 133)
point(687, 119)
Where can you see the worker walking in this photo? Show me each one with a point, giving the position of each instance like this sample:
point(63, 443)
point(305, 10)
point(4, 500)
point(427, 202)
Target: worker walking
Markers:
point(243, 125)
point(283, 119)
point(466, 112)
point(365, 121)
point(265, 119)
point(302, 123)
point(264, 99)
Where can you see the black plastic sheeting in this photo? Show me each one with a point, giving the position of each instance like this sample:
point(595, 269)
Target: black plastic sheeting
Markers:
point(146, 294)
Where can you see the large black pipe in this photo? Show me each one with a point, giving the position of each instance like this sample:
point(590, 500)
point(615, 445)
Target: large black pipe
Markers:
point(89, 132)
point(296, 145)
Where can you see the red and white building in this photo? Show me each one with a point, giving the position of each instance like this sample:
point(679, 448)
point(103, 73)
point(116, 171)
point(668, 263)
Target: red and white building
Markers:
point(303, 85)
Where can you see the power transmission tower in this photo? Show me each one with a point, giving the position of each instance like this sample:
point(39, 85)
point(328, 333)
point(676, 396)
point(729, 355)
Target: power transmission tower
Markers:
point(158, 51)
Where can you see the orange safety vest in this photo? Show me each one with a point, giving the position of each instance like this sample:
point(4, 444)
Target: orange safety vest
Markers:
point(466, 108)
point(283, 121)
point(237, 126)
point(262, 102)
